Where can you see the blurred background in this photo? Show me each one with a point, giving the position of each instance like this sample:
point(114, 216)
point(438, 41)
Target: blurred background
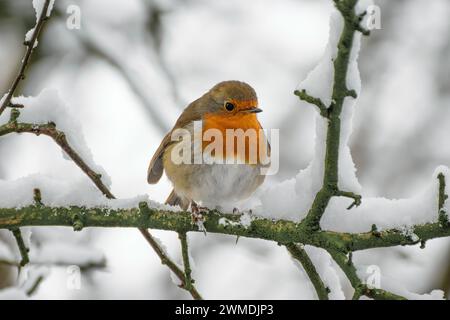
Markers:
point(132, 67)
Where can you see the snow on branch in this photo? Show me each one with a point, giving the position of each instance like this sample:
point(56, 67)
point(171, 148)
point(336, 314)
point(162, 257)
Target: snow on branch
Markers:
point(322, 207)
point(43, 10)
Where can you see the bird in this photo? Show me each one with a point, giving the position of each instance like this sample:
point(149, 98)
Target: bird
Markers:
point(216, 182)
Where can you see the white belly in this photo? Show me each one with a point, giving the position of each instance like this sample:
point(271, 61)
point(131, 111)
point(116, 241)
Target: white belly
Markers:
point(218, 184)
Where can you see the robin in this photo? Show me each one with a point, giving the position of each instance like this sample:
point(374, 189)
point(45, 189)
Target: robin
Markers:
point(230, 106)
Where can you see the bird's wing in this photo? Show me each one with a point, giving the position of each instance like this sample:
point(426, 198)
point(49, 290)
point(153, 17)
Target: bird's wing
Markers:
point(156, 166)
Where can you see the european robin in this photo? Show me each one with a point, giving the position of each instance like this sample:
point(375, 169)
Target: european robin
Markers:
point(227, 107)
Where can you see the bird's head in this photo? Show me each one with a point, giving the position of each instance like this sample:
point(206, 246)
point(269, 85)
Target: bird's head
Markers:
point(232, 99)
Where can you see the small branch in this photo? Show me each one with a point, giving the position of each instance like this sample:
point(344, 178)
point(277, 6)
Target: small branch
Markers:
point(356, 198)
point(170, 264)
point(30, 46)
point(360, 288)
point(22, 247)
point(188, 282)
point(300, 254)
point(59, 137)
point(324, 111)
point(34, 286)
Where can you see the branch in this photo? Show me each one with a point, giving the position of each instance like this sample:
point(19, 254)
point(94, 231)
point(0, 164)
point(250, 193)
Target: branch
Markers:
point(171, 265)
point(76, 219)
point(59, 137)
point(300, 254)
point(340, 92)
point(281, 231)
point(30, 46)
point(22, 247)
point(324, 111)
point(188, 282)
point(360, 288)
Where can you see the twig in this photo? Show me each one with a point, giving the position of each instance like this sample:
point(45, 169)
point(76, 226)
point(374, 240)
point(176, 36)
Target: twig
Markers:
point(360, 288)
point(324, 111)
point(59, 137)
point(356, 198)
point(186, 263)
point(34, 286)
point(170, 264)
point(22, 247)
point(30, 46)
point(300, 254)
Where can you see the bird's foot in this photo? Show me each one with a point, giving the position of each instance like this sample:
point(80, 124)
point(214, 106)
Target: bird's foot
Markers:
point(197, 216)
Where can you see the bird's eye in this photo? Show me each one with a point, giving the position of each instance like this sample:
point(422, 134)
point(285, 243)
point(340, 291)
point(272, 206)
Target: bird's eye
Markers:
point(229, 106)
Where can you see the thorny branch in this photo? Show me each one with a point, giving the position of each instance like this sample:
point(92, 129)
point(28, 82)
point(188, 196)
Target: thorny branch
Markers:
point(290, 234)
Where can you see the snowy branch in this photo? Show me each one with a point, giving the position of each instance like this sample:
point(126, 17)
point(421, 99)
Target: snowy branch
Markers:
point(31, 44)
point(340, 245)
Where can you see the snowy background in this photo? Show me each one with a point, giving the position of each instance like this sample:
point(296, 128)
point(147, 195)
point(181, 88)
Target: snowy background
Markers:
point(132, 67)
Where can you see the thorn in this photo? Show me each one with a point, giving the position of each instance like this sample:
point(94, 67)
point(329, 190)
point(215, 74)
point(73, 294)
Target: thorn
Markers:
point(422, 244)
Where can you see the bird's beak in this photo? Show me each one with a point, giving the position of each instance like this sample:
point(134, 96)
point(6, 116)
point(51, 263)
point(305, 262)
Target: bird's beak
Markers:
point(252, 110)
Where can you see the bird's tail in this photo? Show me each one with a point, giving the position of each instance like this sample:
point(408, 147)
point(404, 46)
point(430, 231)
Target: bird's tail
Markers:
point(174, 200)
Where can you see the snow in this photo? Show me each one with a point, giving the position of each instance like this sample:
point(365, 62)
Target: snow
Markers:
point(291, 199)
point(245, 221)
point(61, 193)
point(13, 293)
point(49, 107)
point(3, 98)
point(386, 213)
point(391, 285)
point(38, 6)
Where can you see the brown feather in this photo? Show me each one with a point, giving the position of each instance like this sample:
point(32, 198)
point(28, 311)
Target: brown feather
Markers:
point(174, 200)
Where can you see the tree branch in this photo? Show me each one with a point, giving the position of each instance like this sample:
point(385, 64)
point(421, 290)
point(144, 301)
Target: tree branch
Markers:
point(360, 288)
point(30, 46)
point(324, 111)
point(22, 247)
point(59, 137)
point(298, 253)
point(340, 92)
point(188, 282)
point(281, 231)
point(165, 260)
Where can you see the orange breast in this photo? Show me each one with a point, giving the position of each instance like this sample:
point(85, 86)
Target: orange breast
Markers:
point(248, 145)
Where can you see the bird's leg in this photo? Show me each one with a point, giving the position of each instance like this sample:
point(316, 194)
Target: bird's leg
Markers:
point(197, 216)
